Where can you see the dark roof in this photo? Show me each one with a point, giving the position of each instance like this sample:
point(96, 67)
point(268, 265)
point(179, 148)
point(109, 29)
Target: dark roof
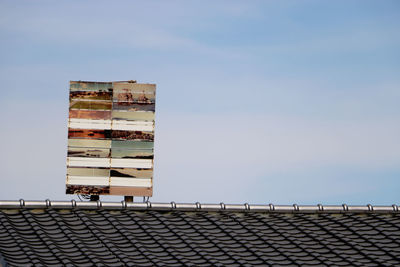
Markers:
point(149, 234)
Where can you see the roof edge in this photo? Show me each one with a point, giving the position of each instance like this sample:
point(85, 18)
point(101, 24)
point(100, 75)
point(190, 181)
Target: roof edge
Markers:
point(269, 208)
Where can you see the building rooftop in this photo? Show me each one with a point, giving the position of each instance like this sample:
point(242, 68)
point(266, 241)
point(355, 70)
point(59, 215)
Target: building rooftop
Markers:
point(175, 234)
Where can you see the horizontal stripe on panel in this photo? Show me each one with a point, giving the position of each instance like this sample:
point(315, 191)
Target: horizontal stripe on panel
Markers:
point(87, 189)
point(88, 162)
point(88, 172)
point(88, 143)
point(89, 124)
point(147, 126)
point(132, 172)
point(89, 121)
point(91, 100)
point(138, 182)
point(132, 163)
point(134, 98)
point(88, 180)
point(90, 114)
point(131, 191)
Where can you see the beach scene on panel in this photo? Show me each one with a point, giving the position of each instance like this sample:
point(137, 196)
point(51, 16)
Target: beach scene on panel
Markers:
point(90, 95)
point(93, 104)
point(90, 134)
point(118, 144)
point(90, 86)
point(134, 93)
point(132, 153)
point(95, 172)
point(132, 135)
point(133, 116)
point(90, 114)
point(88, 152)
point(89, 143)
point(130, 172)
point(87, 190)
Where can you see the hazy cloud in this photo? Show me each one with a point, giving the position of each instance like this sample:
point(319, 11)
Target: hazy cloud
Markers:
point(257, 102)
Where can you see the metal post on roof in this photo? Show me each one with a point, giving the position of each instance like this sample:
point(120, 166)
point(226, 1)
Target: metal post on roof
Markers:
point(128, 198)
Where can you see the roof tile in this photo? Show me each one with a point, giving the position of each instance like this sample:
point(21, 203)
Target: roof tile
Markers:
point(116, 237)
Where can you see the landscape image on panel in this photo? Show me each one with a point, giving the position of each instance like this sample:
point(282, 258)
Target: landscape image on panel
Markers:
point(90, 114)
point(132, 135)
point(90, 95)
point(88, 190)
point(88, 133)
point(131, 172)
point(134, 93)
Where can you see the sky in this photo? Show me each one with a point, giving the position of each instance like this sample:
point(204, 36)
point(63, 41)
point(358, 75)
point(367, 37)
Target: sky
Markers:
point(257, 101)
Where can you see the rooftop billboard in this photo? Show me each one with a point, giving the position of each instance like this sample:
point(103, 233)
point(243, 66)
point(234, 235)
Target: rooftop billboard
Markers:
point(111, 138)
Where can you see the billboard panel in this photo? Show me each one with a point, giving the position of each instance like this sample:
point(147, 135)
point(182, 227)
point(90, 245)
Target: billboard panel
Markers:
point(133, 115)
point(90, 104)
point(134, 106)
point(89, 133)
point(111, 138)
point(132, 135)
point(90, 114)
point(92, 180)
point(134, 93)
point(88, 172)
point(88, 189)
point(131, 172)
point(89, 143)
point(90, 95)
point(118, 144)
point(124, 125)
point(89, 152)
point(90, 124)
point(90, 86)
point(131, 190)
point(137, 182)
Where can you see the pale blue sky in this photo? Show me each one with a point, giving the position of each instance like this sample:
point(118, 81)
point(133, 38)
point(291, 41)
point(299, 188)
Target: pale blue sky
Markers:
point(257, 101)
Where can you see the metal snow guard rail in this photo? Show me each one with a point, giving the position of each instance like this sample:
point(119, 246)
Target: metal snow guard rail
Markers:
point(268, 208)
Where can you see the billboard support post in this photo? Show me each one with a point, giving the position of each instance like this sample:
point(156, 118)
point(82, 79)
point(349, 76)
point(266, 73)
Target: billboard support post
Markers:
point(94, 197)
point(128, 198)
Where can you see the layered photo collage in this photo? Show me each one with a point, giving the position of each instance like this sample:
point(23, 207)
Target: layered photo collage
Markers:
point(110, 138)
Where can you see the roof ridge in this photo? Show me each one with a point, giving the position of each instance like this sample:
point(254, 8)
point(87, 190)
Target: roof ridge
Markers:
point(319, 208)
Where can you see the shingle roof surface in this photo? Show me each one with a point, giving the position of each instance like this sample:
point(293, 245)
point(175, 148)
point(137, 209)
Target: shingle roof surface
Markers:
point(176, 237)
